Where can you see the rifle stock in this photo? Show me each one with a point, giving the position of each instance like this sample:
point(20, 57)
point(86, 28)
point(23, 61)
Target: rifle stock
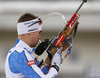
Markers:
point(71, 25)
point(61, 37)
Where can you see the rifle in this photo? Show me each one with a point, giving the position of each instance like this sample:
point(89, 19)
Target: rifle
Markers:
point(62, 39)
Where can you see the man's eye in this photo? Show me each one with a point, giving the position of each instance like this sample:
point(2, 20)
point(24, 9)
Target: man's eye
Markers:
point(40, 32)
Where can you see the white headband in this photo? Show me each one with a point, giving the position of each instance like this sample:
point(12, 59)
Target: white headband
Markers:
point(29, 26)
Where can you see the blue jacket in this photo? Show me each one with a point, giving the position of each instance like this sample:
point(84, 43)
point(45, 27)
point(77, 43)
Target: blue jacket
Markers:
point(20, 63)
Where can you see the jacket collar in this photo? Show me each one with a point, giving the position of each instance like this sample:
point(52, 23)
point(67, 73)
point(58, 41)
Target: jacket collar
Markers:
point(21, 44)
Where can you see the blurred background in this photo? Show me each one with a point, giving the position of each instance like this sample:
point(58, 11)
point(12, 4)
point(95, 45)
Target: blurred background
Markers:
point(84, 60)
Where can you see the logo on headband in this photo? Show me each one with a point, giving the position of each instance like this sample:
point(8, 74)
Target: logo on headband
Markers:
point(34, 23)
point(32, 29)
point(26, 23)
point(39, 23)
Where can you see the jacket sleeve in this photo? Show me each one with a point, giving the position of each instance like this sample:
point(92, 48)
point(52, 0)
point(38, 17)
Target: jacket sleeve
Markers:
point(25, 65)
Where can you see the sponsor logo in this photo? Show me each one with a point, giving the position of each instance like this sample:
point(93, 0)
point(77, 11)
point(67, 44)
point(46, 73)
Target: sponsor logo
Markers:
point(31, 62)
point(32, 29)
point(39, 23)
point(60, 39)
point(26, 23)
point(29, 23)
point(33, 23)
point(74, 21)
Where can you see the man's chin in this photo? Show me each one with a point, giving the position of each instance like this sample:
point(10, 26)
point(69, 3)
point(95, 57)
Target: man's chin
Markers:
point(33, 46)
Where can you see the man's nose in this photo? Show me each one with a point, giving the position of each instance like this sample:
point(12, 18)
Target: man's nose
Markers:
point(39, 37)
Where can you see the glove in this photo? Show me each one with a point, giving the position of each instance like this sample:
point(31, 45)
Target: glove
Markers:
point(57, 59)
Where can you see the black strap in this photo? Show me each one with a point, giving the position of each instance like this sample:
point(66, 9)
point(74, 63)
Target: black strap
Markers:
point(75, 29)
point(56, 67)
point(40, 64)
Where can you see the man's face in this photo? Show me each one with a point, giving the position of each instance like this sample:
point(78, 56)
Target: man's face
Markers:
point(34, 38)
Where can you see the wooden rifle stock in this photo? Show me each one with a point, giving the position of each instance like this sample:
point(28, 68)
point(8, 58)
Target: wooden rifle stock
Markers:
point(72, 23)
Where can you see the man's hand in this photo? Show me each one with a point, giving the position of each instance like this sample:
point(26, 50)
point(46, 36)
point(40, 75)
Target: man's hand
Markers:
point(57, 59)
